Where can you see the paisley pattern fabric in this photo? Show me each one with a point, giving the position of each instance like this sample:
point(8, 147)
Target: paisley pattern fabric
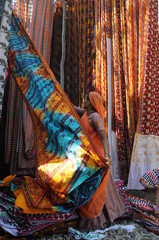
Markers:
point(5, 21)
point(68, 170)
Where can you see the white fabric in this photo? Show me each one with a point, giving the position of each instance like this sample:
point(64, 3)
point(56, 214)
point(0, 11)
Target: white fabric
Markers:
point(4, 42)
point(114, 156)
point(111, 135)
point(145, 157)
point(98, 234)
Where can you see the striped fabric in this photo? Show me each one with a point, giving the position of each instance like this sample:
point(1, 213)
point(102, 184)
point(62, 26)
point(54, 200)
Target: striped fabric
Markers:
point(68, 168)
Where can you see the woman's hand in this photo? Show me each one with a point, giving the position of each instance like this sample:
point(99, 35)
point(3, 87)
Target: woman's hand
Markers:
point(108, 159)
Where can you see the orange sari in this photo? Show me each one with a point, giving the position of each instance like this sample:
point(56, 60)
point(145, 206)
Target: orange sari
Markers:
point(95, 204)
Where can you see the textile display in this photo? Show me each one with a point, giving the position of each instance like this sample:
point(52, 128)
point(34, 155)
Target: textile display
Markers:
point(88, 23)
point(60, 139)
point(124, 80)
point(5, 21)
point(20, 154)
point(135, 83)
point(145, 155)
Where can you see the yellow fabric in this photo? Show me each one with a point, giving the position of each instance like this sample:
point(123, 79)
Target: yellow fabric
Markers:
point(21, 202)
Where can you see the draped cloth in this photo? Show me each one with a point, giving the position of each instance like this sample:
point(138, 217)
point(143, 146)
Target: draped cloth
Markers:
point(135, 83)
point(145, 155)
point(68, 169)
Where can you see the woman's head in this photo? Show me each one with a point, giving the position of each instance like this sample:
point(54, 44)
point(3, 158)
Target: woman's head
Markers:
point(97, 103)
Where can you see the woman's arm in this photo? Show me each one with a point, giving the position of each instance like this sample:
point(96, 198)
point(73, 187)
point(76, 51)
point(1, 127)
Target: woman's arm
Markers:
point(106, 147)
point(104, 141)
point(79, 110)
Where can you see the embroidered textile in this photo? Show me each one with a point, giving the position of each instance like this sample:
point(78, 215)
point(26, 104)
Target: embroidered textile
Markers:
point(68, 169)
point(5, 21)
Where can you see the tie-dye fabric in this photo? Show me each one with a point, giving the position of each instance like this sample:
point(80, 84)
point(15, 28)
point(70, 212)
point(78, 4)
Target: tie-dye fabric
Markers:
point(68, 169)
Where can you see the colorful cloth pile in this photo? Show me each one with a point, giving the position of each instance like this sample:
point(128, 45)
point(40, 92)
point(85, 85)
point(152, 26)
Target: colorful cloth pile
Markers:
point(15, 222)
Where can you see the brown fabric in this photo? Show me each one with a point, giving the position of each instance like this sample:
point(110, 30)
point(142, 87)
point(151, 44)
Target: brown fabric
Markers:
point(114, 204)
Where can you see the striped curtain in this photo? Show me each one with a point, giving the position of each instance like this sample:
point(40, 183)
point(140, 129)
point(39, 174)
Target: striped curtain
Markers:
point(88, 22)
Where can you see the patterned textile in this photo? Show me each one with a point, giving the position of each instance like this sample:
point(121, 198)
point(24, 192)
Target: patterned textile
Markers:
point(125, 41)
point(86, 49)
point(68, 169)
point(5, 21)
point(147, 220)
point(20, 154)
point(150, 179)
point(119, 184)
point(37, 18)
point(145, 213)
point(16, 223)
point(141, 204)
point(145, 155)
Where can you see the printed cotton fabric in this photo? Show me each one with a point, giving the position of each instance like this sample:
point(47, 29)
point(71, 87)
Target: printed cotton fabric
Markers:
point(68, 170)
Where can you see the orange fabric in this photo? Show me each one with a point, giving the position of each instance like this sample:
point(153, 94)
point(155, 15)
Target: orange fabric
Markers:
point(97, 102)
point(7, 180)
point(95, 204)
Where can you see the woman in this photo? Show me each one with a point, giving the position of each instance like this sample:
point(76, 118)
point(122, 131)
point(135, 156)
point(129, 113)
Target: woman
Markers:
point(92, 118)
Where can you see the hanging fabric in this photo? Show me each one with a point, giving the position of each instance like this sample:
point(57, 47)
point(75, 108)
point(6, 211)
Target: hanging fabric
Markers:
point(68, 169)
point(5, 20)
point(145, 155)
